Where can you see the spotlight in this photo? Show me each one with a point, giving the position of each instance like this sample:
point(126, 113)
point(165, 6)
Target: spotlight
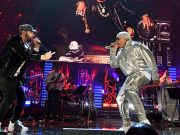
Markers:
point(141, 129)
point(20, 14)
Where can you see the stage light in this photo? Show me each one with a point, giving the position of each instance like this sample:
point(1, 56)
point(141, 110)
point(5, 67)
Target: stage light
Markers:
point(27, 103)
point(86, 104)
point(20, 14)
point(141, 129)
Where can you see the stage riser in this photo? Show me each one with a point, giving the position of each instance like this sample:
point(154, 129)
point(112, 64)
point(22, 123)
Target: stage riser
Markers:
point(91, 132)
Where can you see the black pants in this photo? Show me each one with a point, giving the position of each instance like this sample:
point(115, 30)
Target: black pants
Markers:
point(11, 92)
point(54, 104)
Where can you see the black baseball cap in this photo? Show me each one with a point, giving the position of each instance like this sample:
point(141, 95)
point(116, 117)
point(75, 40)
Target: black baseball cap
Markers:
point(26, 27)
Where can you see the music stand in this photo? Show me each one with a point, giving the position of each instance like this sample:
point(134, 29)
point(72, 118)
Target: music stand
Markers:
point(174, 93)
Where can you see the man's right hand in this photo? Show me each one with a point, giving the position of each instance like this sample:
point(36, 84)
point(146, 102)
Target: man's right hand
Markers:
point(114, 45)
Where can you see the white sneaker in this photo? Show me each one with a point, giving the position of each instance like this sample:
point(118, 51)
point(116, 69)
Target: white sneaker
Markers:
point(124, 129)
point(11, 126)
point(145, 121)
point(18, 122)
point(23, 128)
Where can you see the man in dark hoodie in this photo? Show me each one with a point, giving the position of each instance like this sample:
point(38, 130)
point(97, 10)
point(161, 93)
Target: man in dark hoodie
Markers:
point(13, 62)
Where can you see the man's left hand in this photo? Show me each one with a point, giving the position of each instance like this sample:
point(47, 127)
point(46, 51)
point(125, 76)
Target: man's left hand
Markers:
point(47, 55)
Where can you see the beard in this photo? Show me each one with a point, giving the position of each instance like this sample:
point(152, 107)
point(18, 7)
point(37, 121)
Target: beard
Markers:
point(27, 37)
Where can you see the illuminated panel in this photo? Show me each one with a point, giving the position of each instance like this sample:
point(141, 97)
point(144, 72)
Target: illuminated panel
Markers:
point(173, 73)
point(110, 105)
point(98, 92)
point(47, 68)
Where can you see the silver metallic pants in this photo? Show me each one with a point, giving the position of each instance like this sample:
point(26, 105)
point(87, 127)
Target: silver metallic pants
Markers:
point(129, 94)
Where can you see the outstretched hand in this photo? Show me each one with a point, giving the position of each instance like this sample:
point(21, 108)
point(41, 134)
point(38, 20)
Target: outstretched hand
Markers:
point(47, 55)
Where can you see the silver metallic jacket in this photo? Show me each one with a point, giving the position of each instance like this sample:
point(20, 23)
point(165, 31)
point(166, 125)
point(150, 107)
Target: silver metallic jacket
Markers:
point(134, 57)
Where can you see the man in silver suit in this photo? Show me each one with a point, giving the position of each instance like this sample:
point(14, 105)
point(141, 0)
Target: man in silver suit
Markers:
point(138, 64)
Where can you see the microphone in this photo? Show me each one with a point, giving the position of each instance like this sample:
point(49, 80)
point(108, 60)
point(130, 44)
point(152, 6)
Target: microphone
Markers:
point(38, 41)
point(44, 48)
point(114, 44)
point(108, 47)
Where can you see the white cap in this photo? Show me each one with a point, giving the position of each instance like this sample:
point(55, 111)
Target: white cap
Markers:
point(123, 34)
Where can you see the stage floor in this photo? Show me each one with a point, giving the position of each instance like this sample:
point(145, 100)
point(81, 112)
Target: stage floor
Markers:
point(101, 126)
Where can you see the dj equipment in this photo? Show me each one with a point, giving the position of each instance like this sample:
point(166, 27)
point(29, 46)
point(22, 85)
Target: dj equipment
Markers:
point(160, 31)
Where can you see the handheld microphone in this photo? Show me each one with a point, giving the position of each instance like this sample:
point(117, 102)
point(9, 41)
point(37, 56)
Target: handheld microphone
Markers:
point(38, 41)
point(44, 48)
point(114, 44)
point(108, 47)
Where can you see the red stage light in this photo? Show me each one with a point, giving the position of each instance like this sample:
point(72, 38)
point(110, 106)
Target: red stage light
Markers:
point(20, 14)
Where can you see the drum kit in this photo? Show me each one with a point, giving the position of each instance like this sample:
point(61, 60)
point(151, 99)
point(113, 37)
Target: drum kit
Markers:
point(75, 103)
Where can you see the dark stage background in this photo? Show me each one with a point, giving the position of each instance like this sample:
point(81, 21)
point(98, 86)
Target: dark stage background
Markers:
point(58, 24)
